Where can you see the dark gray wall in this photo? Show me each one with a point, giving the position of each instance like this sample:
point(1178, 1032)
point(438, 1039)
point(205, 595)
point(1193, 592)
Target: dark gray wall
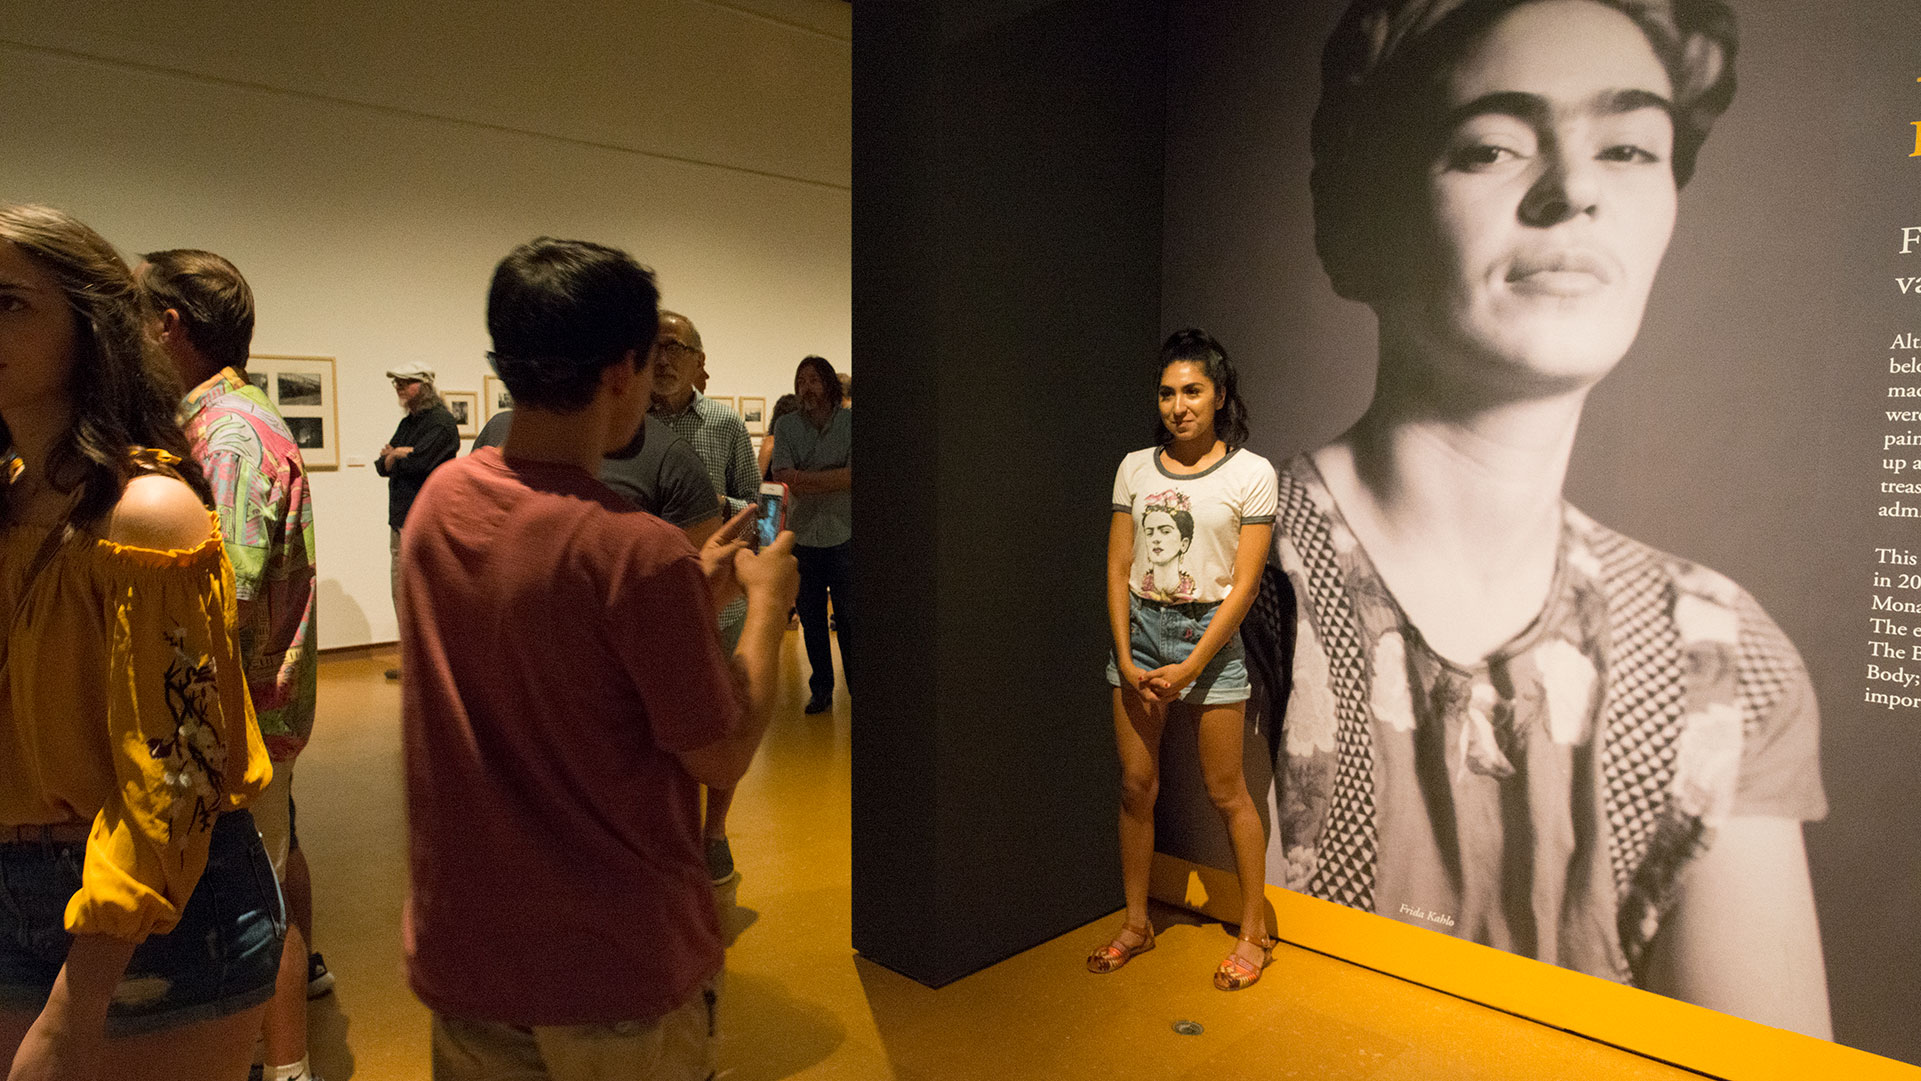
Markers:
point(1007, 305)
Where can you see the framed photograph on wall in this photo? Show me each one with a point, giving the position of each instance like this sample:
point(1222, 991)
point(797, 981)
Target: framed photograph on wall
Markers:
point(302, 388)
point(754, 412)
point(495, 398)
point(465, 406)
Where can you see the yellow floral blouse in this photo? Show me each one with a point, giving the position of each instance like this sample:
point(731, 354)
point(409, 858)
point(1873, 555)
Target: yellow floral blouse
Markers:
point(122, 701)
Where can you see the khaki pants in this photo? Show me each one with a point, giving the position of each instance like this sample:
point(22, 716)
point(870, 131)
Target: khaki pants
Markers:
point(676, 1047)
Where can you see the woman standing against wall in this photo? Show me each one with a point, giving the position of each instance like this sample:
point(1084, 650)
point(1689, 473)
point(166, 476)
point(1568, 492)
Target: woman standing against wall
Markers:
point(1193, 518)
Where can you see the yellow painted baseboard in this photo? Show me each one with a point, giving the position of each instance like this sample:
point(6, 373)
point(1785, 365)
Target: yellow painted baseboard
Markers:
point(1649, 1024)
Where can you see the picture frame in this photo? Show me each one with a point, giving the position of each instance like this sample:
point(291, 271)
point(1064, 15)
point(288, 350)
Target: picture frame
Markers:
point(495, 397)
point(754, 412)
point(302, 389)
point(465, 406)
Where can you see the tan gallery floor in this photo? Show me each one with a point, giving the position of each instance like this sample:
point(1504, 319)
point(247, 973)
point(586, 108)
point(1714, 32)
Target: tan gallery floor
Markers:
point(799, 1004)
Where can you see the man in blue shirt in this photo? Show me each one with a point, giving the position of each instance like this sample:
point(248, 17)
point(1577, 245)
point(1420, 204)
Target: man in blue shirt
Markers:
point(814, 456)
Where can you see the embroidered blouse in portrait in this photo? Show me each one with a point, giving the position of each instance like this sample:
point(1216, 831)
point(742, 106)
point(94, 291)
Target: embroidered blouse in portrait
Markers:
point(1545, 799)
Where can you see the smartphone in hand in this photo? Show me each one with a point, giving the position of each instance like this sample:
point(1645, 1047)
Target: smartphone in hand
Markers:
point(773, 514)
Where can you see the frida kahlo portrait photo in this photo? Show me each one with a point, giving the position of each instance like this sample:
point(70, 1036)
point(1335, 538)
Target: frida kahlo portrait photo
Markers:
point(1507, 721)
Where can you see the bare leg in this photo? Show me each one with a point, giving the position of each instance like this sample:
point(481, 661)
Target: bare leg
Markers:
point(1137, 735)
point(299, 890)
point(286, 1032)
point(1221, 727)
point(217, 1050)
point(13, 1028)
point(209, 1051)
point(718, 801)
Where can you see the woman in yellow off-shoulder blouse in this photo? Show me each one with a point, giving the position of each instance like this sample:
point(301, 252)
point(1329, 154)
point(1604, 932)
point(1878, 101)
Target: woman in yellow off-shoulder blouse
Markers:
point(139, 920)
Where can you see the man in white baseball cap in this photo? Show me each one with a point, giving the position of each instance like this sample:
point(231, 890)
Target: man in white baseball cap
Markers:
point(426, 439)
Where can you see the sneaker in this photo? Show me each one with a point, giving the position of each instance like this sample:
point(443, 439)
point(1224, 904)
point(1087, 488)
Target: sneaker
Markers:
point(819, 703)
point(393, 674)
point(720, 860)
point(257, 1073)
point(319, 980)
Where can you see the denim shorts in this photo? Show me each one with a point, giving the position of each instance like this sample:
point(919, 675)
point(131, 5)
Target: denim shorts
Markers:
point(220, 958)
point(1163, 634)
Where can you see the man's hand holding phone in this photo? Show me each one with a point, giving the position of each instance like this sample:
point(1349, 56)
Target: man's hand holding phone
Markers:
point(731, 567)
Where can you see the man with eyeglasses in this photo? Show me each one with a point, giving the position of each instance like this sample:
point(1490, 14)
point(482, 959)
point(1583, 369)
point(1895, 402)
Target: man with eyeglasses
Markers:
point(719, 437)
point(427, 438)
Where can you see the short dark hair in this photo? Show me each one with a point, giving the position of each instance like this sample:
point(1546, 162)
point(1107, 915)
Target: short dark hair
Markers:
point(826, 373)
point(561, 311)
point(214, 301)
point(1198, 346)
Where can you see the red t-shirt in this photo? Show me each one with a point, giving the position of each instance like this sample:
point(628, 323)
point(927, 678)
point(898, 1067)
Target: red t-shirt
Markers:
point(559, 645)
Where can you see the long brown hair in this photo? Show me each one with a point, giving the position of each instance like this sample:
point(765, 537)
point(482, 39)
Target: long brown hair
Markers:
point(123, 391)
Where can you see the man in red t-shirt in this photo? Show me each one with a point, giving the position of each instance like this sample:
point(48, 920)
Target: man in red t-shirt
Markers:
point(566, 697)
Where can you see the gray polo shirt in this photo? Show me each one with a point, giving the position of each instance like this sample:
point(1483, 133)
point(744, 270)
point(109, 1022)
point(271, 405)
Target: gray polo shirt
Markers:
point(818, 521)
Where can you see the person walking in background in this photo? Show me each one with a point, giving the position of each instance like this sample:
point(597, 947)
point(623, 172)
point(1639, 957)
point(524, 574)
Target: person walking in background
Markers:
point(204, 313)
point(427, 438)
point(679, 367)
point(813, 456)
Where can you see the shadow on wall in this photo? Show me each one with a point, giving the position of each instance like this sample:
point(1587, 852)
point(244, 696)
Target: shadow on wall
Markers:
point(342, 621)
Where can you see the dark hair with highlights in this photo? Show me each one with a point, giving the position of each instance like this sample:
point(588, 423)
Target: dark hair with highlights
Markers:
point(561, 311)
point(122, 390)
point(1198, 346)
point(214, 301)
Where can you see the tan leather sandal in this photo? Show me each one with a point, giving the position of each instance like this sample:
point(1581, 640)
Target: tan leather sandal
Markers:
point(1236, 972)
point(1117, 953)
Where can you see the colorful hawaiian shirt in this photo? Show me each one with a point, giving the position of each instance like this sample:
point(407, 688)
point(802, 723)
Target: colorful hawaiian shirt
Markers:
point(266, 520)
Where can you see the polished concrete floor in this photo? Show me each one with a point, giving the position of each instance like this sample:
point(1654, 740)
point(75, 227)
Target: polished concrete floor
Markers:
point(799, 1004)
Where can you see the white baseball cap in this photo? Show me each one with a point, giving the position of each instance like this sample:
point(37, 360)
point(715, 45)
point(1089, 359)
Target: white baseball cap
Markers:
point(413, 369)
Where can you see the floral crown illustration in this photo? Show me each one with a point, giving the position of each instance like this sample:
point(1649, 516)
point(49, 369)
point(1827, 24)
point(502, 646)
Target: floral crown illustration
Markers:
point(1168, 502)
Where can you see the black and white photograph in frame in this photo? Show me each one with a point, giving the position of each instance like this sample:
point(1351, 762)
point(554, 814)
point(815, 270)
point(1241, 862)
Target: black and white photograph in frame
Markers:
point(309, 433)
point(302, 389)
point(465, 406)
point(297, 389)
point(754, 412)
point(495, 397)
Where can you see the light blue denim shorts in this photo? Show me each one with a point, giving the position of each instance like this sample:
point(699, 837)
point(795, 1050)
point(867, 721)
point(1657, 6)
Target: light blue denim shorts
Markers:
point(1164, 634)
point(220, 958)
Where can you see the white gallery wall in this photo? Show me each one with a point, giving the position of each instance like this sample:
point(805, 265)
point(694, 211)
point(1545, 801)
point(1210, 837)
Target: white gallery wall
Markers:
point(366, 165)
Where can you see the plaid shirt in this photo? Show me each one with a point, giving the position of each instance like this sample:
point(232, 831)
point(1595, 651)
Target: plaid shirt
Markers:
point(266, 520)
point(719, 437)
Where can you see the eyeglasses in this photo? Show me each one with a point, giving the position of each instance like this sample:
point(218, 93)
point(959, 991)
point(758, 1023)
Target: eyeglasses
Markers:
point(668, 343)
